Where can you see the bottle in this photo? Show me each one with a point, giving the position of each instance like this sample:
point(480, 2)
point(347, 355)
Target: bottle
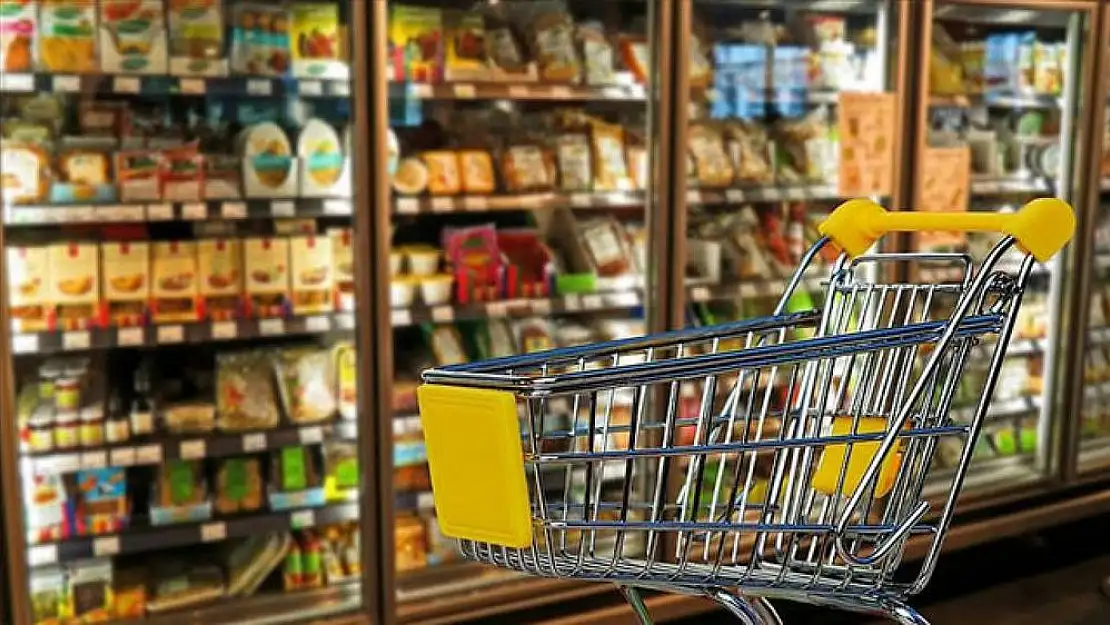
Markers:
point(142, 406)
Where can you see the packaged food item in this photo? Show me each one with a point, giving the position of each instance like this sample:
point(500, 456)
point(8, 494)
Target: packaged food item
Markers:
point(238, 485)
point(139, 175)
point(606, 245)
point(180, 487)
point(598, 55)
point(45, 506)
point(306, 381)
point(126, 281)
point(747, 145)
point(222, 175)
point(295, 480)
point(436, 290)
point(196, 34)
point(67, 429)
point(343, 267)
point(447, 345)
point(90, 590)
point(75, 284)
point(408, 544)
point(266, 268)
point(84, 176)
point(29, 287)
point(189, 417)
point(219, 263)
point(268, 166)
point(636, 55)
point(49, 599)
point(610, 168)
point(477, 172)
point(133, 37)
point(250, 562)
point(444, 177)
point(174, 276)
point(572, 155)
point(259, 39)
point(91, 430)
point(526, 167)
point(416, 43)
point(131, 593)
point(323, 164)
point(341, 469)
point(182, 173)
point(23, 172)
point(465, 46)
point(103, 506)
point(312, 568)
point(67, 36)
point(178, 586)
point(346, 368)
point(554, 49)
point(476, 260)
point(245, 397)
point(534, 335)
point(311, 266)
point(412, 177)
point(292, 571)
point(18, 31)
point(711, 162)
point(501, 341)
point(317, 51)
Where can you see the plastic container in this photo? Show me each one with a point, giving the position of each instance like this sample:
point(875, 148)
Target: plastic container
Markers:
point(423, 261)
point(49, 373)
point(401, 292)
point(396, 263)
point(436, 290)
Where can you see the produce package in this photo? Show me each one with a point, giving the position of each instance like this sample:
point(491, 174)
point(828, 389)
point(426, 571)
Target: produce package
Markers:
point(180, 493)
point(346, 367)
point(317, 44)
point(553, 47)
point(196, 34)
point(245, 397)
point(416, 43)
point(465, 54)
point(238, 485)
point(259, 39)
point(341, 470)
point(133, 37)
point(295, 479)
point(49, 599)
point(306, 380)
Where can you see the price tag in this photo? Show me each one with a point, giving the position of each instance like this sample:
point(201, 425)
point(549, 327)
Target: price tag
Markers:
point(312, 88)
point(425, 501)
point(42, 554)
point(794, 193)
point(337, 207)
point(341, 88)
point(233, 210)
point(126, 84)
point(693, 196)
point(169, 335)
point(148, 454)
point(302, 519)
point(581, 200)
point(519, 91)
point(592, 302)
point(119, 213)
point(17, 82)
point(159, 212)
point(260, 86)
point(734, 195)
point(401, 317)
point(624, 299)
point(212, 532)
point(254, 442)
point(407, 206)
point(193, 450)
point(194, 211)
point(561, 93)
point(106, 546)
point(317, 324)
point(443, 204)
point(699, 294)
point(541, 307)
point(465, 91)
point(76, 340)
point(25, 343)
point(443, 314)
point(224, 330)
point(67, 84)
point(421, 90)
point(311, 435)
point(94, 460)
point(497, 309)
point(123, 457)
point(130, 337)
point(283, 208)
point(192, 86)
point(475, 203)
point(68, 463)
point(271, 327)
point(572, 302)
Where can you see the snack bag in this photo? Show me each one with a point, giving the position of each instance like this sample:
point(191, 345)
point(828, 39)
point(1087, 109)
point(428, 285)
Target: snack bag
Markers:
point(67, 36)
point(18, 30)
point(316, 42)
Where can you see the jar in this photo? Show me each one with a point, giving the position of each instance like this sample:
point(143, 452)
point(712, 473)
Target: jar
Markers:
point(66, 429)
point(40, 427)
point(117, 430)
point(92, 427)
point(67, 393)
point(49, 373)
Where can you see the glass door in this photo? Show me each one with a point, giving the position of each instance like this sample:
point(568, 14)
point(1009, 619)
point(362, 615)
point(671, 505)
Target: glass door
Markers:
point(519, 156)
point(178, 273)
point(999, 129)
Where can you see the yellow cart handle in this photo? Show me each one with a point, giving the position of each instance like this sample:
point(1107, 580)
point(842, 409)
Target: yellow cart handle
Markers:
point(1042, 227)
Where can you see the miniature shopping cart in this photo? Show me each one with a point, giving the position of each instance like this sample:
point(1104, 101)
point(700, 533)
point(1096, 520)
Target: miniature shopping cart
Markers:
point(791, 457)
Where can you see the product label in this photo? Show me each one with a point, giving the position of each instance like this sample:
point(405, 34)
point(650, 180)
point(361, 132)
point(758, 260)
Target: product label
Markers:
point(294, 475)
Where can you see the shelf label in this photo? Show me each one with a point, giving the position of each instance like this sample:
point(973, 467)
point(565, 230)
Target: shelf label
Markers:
point(42, 554)
point(497, 309)
point(693, 196)
point(123, 457)
point(194, 211)
point(119, 213)
point(17, 82)
point(126, 84)
point(311, 435)
point(148, 454)
point(168, 335)
point(421, 90)
point(465, 91)
point(260, 87)
point(443, 204)
point(401, 317)
point(25, 343)
point(519, 91)
point(94, 460)
point(159, 212)
point(130, 337)
point(193, 450)
point(76, 340)
point(572, 301)
point(560, 93)
point(581, 200)
point(302, 519)
point(192, 86)
point(106, 546)
point(337, 207)
point(734, 195)
point(271, 327)
point(541, 307)
point(254, 442)
point(312, 88)
point(233, 210)
point(283, 208)
point(224, 330)
point(443, 314)
point(67, 463)
point(592, 302)
point(213, 532)
point(475, 203)
point(319, 323)
point(67, 84)
point(407, 206)
point(699, 294)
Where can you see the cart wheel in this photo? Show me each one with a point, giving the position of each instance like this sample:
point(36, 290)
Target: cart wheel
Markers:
point(750, 610)
point(632, 596)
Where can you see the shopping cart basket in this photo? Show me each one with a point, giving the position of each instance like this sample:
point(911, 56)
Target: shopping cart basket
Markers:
point(790, 456)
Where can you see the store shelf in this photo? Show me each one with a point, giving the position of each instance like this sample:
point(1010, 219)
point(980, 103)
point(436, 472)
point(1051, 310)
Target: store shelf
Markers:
point(997, 100)
point(995, 185)
point(224, 210)
point(1003, 409)
point(517, 91)
point(522, 201)
point(178, 334)
point(769, 193)
point(759, 289)
point(186, 447)
point(183, 535)
point(517, 308)
point(231, 86)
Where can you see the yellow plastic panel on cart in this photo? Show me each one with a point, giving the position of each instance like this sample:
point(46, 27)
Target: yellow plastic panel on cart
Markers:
point(834, 457)
point(477, 464)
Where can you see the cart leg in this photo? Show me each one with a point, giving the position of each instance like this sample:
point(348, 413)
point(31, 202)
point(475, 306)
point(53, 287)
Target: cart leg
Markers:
point(632, 596)
point(750, 610)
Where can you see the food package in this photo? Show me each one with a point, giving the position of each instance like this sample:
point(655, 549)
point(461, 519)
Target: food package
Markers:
point(83, 176)
point(341, 470)
point(222, 177)
point(415, 43)
point(447, 345)
point(250, 562)
point(605, 243)
point(465, 46)
point(711, 162)
point(317, 44)
point(126, 281)
point(29, 287)
point(49, 599)
point(189, 417)
point(597, 54)
point(18, 31)
point(748, 147)
point(45, 503)
point(411, 178)
point(178, 586)
point(180, 484)
point(343, 266)
point(477, 172)
point(444, 177)
point(259, 39)
point(324, 168)
point(346, 379)
point(408, 543)
point(527, 167)
point(90, 591)
point(139, 175)
point(245, 397)
point(266, 271)
point(75, 284)
point(554, 48)
point(103, 506)
point(505, 51)
point(238, 485)
point(24, 170)
point(174, 276)
point(133, 37)
point(803, 149)
point(310, 259)
point(268, 165)
point(183, 173)
point(294, 469)
point(196, 38)
point(219, 266)
point(533, 335)
point(131, 593)
point(610, 168)
point(67, 36)
point(572, 154)
point(635, 53)
point(306, 381)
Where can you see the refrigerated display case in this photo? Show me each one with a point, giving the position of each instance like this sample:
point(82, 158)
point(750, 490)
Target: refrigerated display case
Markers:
point(517, 217)
point(999, 123)
point(181, 385)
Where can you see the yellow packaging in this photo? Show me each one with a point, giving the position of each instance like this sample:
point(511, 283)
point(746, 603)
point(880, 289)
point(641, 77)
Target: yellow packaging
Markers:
point(28, 288)
point(312, 278)
point(174, 278)
point(343, 267)
point(67, 36)
point(126, 267)
point(266, 275)
point(219, 264)
point(317, 42)
point(75, 284)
